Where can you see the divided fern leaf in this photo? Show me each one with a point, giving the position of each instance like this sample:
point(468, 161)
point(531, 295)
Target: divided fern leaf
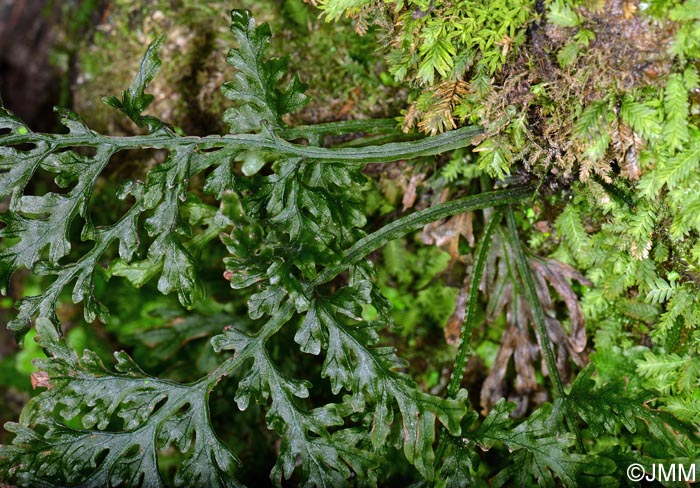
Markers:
point(97, 427)
point(254, 86)
point(135, 99)
point(540, 453)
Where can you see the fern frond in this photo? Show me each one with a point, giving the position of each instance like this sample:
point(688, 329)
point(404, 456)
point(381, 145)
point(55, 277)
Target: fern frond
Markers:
point(675, 170)
point(660, 291)
point(495, 157)
point(335, 9)
point(562, 14)
point(592, 121)
point(678, 304)
point(438, 116)
point(640, 117)
point(437, 56)
point(687, 217)
point(675, 129)
point(592, 131)
point(641, 227)
point(570, 227)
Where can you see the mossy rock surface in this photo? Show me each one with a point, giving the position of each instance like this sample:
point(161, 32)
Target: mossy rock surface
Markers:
point(344, 69)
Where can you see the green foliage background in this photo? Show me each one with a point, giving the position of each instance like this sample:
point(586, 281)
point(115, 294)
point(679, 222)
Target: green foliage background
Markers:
point(595, 103)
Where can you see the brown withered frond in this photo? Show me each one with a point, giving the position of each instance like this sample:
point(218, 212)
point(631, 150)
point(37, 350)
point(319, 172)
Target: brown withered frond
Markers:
point(438, 118)
point(446, 234)
point(520, 343)
point(411, 118)
point(520, 340)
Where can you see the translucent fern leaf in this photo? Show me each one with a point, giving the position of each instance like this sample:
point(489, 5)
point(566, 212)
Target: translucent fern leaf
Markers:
point(334, 9)
point(685, 408)
point(134, 99)
point(678, 304)
point(592, 130)
point(437, 56)
point(676, 378)
point(686, 11)
point(539, 452)
point(254, 86)
point(562, 14)
point(106, 428)
point(676, 169)
point(641, 227)
point(494, 157)
point(613, 404)
point(659, 291)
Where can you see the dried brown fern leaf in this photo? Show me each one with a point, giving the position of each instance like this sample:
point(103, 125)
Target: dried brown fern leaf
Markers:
point(520, 341)
point(439, 116)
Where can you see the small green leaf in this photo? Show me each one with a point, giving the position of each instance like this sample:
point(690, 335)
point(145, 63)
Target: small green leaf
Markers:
point(562, 14)
point(252, 162)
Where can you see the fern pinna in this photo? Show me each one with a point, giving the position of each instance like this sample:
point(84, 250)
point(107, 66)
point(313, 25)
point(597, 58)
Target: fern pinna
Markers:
point(290, 214)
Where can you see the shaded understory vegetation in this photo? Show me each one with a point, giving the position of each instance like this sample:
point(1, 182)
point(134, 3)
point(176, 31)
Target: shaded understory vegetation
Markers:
point(247, 272)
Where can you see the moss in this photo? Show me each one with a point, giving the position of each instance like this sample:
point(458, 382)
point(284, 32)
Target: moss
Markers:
point(536, 105)
point(527, 74)
point(597, 102)
point(109, 60)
